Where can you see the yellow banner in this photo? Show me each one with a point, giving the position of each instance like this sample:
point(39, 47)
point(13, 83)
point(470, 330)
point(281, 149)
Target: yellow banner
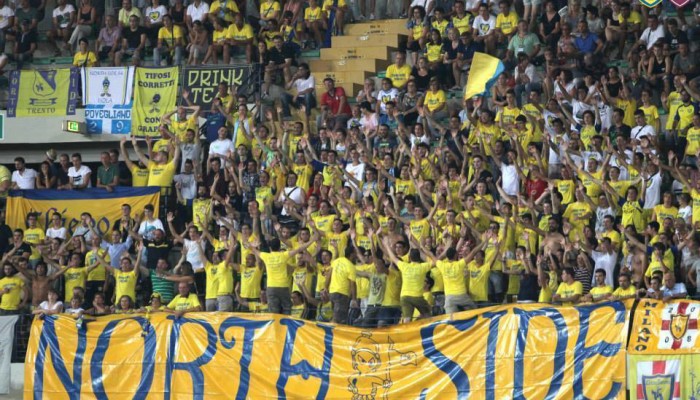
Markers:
point(665, 328)
point(155, 95)
point(524, 351)
point(105, 207)
point(35, 93)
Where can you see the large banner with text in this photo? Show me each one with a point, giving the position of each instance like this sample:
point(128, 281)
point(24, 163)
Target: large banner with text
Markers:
point(107, 96)
point(664, 351)
point(525, 352)
point(104, 206)
point(43, 93)
point(155, 95)
point(203, 82)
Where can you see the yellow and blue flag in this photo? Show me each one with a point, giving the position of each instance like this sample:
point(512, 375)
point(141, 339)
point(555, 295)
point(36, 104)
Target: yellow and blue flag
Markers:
point(35, 93)
point(482, 74)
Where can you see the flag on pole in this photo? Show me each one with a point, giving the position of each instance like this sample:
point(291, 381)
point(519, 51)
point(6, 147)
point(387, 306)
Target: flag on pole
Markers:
point(482, 74)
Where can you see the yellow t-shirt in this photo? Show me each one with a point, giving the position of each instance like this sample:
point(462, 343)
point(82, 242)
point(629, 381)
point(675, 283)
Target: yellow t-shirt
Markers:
point(219, 37)
point(327, 4)
point(398, 75)
point(575, 211)
point(674, 100)
point(276, 267)
point(10, 301)
point(685, 116)
point(651, 114)
point(99, 273)
point(463, 24)
point(242, 34)
point(693, 138)
point(413, 275)
point(634, 18)
point(169, 36)
point(126, 284)
point(161, 174)
point(231, 7)
point(479, 281)
point(73, 278)
point(225, 279)
point(180, 303)
point(212, 284)
point(600, 292)
point(433, 51)
point(250, 282)
point(362, 282)
point(268, 9)
point(565, 290)
point(567, 189)
point(433, 100)
point(34, 236)
point(507, 24)
point(514, 280)
point(620, 292)
point(453, 276)
point(343, 272)
point(81, 59)
point(628, 106)
point(508, 115)
point(312, 14)
point(663, 213)
point(392, 292)
point(139, 176)
point(180, 128)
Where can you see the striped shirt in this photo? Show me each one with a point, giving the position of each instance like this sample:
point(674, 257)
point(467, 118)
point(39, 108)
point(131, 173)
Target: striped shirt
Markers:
point(162, 286)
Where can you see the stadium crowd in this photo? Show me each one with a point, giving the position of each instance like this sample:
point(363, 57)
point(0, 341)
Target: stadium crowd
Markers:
point(570, 182)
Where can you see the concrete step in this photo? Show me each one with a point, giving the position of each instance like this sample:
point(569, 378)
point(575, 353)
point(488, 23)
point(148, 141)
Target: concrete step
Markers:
point(362, 64)
point(386, 26)
point(389, 40)
point(357, 52)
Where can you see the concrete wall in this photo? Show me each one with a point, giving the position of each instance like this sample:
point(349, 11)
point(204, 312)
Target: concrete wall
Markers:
point(30, 137)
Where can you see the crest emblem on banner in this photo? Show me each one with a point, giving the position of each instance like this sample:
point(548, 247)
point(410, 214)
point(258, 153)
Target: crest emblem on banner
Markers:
point(650, 3)
point(658, 387)
point(44, 86)
point(679, 324)
point(680, 3)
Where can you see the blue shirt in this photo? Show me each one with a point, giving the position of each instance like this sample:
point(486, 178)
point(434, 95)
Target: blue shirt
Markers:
point(586, 44)
point(215, 120)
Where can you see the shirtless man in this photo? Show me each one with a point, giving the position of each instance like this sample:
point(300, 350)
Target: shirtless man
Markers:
point(553, 239)
point(41, 282)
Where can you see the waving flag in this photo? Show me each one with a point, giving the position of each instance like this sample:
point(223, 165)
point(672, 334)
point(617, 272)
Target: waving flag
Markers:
point(482, 74)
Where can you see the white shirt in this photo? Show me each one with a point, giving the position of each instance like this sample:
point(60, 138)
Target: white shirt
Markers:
point(304, 84)
point(189, 151)
point(45, 306)
point(531, 73)
point(193, 254)
point(605, 261)
point(484, 26)
point(652, 196)
point(79, 175)
point(155, 14)
point(147, 228)
point(63, 16)
point(652, 36)
point(221, 146)
point(56, 233)
point(385, 96)
point(357, 171)
point(197, 13)
point(639, 131)
point(188, 185)
point(293, 193)
point(5, 14)
point(510, 180)
point(26, 179)
point(679, 288)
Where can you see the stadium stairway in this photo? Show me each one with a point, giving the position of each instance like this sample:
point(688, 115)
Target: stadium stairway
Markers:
point(363, 52)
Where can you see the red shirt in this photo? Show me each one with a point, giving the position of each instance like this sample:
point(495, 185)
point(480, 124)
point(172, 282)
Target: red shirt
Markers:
point(535, 188)
point(332, 100)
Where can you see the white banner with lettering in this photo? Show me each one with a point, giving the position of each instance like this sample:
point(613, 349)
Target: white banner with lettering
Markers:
point(107, 94)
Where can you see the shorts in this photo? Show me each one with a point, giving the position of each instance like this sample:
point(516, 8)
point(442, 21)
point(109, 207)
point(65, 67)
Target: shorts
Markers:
point(458, 302)
point(496, 282)
point(413, 46)
point(410, 303)
point(279, 300)
point(210, 304)
point(371, 316)
point(224, 303)
point(389, 316)
point(341, 307)
point(532, 2)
